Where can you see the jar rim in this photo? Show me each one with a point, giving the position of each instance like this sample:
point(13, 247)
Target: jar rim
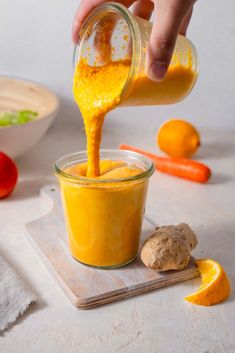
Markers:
point(81, 157)
point(135, 35)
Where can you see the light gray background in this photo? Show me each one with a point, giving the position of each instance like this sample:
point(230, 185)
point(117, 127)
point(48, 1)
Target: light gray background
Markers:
point(35, 43)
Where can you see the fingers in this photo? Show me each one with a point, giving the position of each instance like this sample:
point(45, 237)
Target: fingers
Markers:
point(171, 17)
point(162, 42)
point(185, 22)
point(83, 11)
point(168, 18)
point(143, 8)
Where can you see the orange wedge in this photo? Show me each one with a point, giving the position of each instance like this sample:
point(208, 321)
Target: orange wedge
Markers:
point(215, 285)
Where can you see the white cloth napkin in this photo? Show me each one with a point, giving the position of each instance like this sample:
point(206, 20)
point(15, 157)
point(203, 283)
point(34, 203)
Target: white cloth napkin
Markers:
point(15, 297)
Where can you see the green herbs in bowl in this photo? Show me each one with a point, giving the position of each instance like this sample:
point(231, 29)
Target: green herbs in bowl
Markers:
point(17, 118)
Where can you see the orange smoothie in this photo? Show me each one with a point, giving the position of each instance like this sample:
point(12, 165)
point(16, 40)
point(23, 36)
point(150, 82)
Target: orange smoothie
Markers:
point(98, 89)
point(104, 200)
point(176, 85)
point(104, 220)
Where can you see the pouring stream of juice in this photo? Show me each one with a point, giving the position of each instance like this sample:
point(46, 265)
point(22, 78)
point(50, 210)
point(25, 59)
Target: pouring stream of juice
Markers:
point(97, 90)
point(104, 210)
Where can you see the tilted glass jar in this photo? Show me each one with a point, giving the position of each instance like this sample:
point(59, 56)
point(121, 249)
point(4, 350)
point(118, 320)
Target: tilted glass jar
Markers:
point(112, 33)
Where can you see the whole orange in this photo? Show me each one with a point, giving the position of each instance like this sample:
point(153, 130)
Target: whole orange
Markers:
point(8, 175)
point(178, 138)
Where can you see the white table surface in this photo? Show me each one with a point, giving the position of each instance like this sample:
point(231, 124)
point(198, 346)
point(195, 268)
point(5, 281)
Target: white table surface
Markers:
point(35, 44)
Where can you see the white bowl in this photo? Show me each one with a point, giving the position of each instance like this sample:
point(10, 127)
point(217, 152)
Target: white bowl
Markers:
point(17, 94)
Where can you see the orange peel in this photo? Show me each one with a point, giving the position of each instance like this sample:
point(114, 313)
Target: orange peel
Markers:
point(215, 286)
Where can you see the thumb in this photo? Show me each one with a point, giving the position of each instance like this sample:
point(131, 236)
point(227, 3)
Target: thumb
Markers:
point(162, 41)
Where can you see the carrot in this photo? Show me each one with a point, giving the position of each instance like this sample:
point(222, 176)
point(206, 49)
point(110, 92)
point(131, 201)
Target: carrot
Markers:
point(180, 167)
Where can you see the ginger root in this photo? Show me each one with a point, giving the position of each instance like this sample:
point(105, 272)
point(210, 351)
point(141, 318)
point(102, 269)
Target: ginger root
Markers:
point(169, 248)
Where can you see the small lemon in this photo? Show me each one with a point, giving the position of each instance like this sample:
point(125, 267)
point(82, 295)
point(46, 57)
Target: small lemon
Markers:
point(178, 138)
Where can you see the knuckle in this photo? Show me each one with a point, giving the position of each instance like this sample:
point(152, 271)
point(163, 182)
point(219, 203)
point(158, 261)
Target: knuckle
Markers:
point(162, 48)
point(164, 43)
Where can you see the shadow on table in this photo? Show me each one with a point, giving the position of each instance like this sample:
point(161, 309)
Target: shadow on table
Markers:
point(34, 307)
point(27, 189)
point(217, 143)
point(219, 178)
point(219, 244)
point(217, 149)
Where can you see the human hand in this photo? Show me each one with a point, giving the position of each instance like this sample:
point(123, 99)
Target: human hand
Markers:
point(171, 17)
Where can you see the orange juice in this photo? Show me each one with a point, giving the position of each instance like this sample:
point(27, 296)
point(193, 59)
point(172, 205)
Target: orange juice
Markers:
point(104, 214)
point(97, 90)
point(104, 198)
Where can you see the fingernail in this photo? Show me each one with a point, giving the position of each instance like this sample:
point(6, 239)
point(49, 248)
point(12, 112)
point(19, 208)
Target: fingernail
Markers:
point(157, 70)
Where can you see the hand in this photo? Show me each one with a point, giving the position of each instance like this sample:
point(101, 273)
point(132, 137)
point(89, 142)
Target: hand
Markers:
point(171, 17)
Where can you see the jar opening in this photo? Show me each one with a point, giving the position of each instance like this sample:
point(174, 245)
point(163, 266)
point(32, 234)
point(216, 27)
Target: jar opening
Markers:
point(131, 158)
point(110, 33)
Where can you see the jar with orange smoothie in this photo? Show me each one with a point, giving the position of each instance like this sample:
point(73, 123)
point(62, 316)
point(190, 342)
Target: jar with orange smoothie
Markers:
point(113, 39)
point(104, 191)
point(104, 214)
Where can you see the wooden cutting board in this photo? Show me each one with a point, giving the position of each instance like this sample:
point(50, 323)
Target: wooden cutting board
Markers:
point(87, 287)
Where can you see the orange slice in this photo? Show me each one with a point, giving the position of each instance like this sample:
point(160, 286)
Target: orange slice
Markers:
point(215, 285)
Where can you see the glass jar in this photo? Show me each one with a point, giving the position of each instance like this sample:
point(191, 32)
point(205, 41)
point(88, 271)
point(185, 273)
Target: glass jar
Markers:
point(104, 216)
point(112, 33)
